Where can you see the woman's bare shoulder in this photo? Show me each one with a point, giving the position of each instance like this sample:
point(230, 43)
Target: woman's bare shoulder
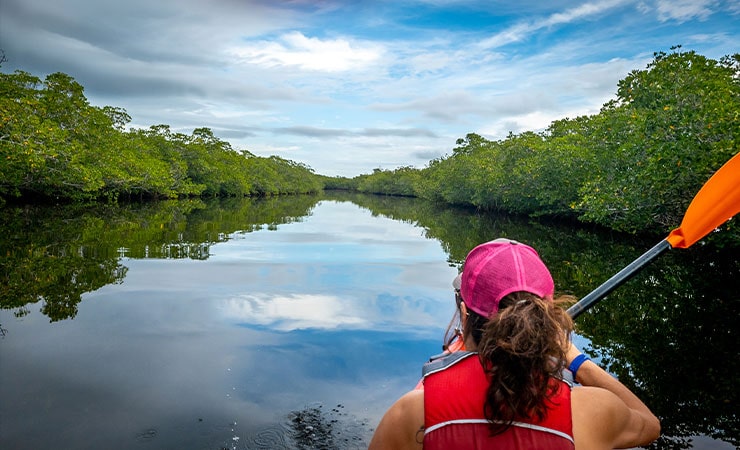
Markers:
point(402, 426)
point(601, 420)
point(593, 411)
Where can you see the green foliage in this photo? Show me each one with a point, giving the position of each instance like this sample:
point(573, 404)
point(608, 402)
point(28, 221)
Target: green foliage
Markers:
point(633, 167)
point(54, 144)
point(399, 182)
point(338, 183)
point(670, 128)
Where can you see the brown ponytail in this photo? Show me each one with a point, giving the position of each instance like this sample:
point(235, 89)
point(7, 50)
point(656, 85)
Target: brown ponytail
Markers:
point(522, 348)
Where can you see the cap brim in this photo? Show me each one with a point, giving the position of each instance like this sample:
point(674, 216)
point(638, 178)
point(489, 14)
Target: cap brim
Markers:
point(457, 282)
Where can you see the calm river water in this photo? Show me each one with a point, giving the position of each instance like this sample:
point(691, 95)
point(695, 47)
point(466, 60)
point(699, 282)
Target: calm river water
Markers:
point(293, 323)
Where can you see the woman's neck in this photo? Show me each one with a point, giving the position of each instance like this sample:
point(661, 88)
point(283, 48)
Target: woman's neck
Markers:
point(470, 344)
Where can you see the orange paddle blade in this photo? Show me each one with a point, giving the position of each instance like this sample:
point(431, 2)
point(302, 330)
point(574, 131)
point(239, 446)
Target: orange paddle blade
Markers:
point(716, 203)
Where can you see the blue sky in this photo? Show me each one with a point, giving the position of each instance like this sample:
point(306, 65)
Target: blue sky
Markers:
point(349, 86)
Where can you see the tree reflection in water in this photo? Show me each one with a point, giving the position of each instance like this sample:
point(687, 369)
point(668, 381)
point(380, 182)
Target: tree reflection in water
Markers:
point(55, 254)
point(669, 333)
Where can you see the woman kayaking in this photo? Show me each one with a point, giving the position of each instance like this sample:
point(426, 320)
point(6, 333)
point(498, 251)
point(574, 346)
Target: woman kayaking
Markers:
point(506, 389)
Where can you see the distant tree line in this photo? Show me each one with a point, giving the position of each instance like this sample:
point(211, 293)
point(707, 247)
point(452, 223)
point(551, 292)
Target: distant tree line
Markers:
point(633, 167)
point(54, 144)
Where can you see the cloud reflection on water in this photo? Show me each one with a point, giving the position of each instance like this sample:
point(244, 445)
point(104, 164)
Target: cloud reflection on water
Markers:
point(339, 268)
point(340, 308)
point(293, 312)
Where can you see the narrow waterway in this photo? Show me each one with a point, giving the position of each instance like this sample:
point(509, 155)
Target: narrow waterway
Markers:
point(295, 322)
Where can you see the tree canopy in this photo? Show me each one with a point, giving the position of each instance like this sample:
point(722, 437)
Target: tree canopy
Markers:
point(634, 167)
point(54, 144)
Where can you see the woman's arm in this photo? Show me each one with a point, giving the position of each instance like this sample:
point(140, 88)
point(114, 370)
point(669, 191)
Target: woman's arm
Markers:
point(402, 426)
point(605, 410)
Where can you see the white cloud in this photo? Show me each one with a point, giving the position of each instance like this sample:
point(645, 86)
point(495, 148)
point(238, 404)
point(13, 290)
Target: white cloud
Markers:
point(684, 10)
point(344, 87)
point(307, 53)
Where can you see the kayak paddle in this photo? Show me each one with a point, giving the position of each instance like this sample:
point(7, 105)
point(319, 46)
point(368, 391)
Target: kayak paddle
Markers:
point(715, 203)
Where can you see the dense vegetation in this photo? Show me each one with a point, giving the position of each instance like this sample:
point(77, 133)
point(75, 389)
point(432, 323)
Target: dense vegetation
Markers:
point(634, 166)
point(54, 144)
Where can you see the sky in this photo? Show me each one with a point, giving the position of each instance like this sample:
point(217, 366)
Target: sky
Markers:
point(346, 87)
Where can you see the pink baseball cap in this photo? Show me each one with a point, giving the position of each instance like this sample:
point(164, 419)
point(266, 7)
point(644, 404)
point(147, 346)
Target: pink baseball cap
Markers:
point(496, 269)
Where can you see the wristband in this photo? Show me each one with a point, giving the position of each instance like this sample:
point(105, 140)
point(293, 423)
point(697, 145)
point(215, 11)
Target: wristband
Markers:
point(576, 363)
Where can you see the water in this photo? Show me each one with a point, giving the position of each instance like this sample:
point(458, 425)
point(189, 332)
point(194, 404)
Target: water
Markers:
point(295, 322)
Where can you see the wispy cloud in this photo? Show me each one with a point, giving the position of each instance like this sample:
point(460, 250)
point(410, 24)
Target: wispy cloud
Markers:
point(685, 10)
point(522, 31)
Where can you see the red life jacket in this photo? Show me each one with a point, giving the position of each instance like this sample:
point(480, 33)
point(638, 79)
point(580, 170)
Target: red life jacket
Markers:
point(454, 397)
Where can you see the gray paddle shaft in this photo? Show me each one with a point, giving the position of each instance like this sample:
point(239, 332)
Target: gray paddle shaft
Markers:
point(617, 280)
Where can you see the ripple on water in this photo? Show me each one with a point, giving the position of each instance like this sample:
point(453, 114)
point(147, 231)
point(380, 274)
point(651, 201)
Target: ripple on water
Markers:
point(275, 437)
point(147, 435)
point(314, 428)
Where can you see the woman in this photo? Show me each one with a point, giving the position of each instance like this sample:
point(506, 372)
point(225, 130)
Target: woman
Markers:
point(506, 390)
